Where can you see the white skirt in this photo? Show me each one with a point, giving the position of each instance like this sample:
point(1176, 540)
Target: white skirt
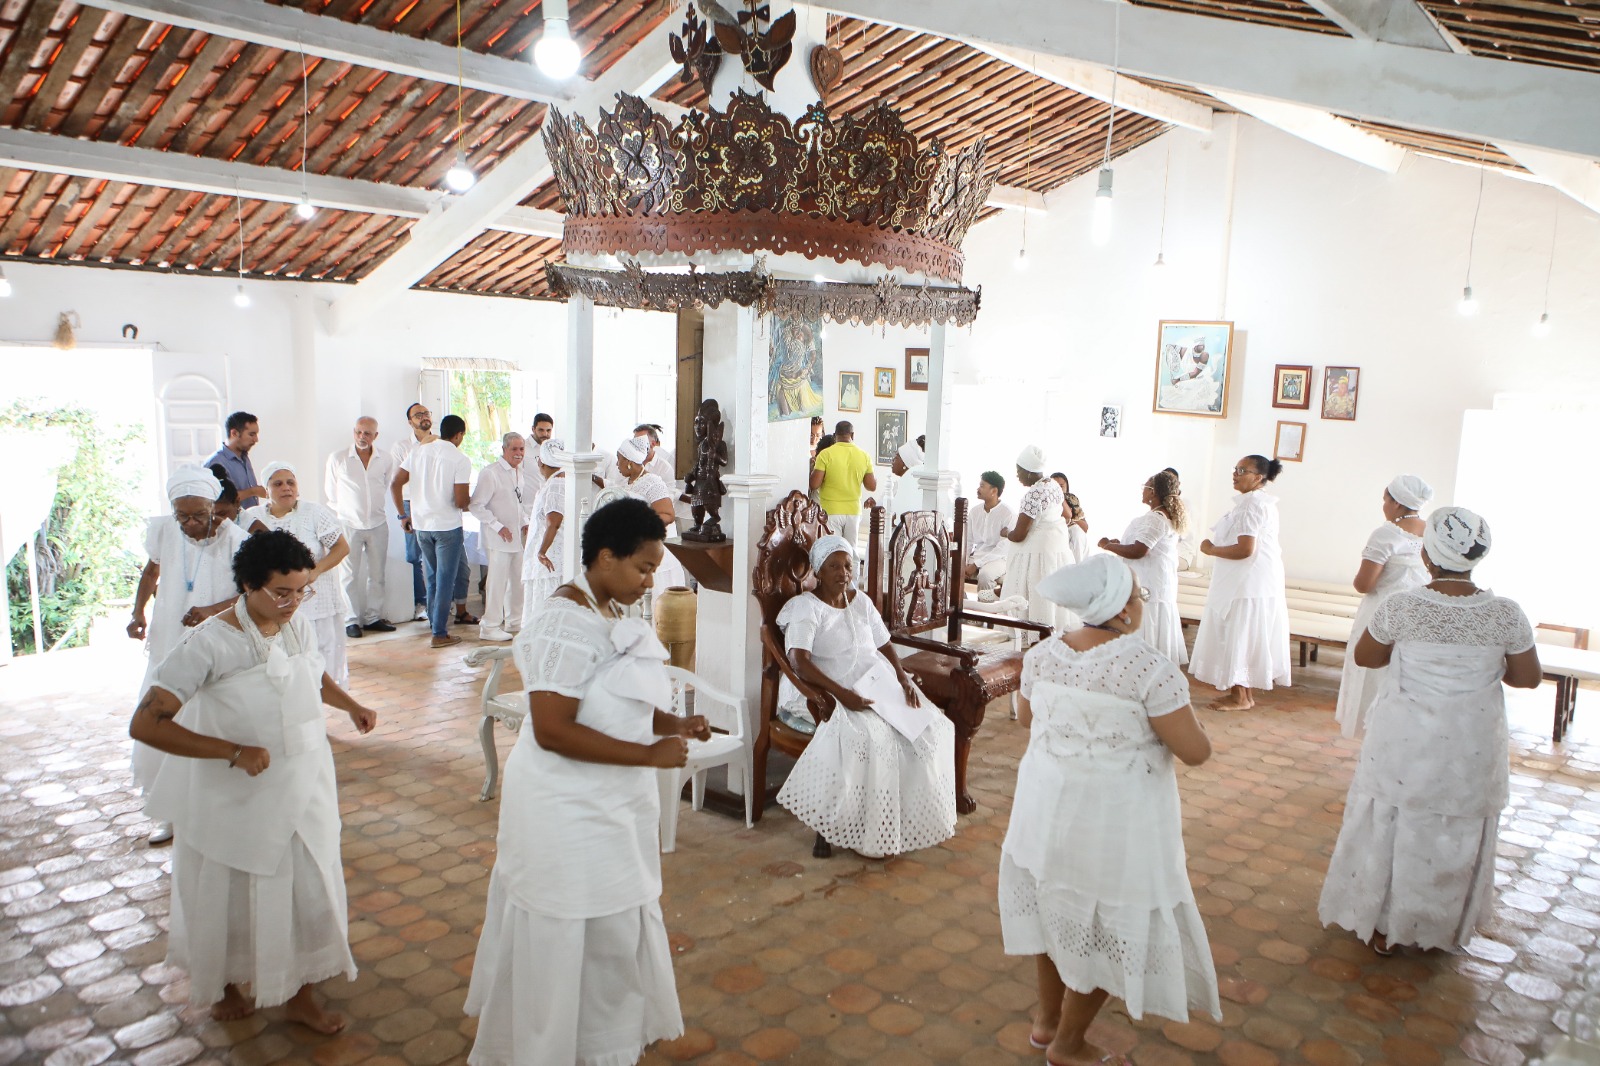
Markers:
point(1162, 629)
point(1046, 549)
point(331, 643)
point(1243, 642)
point(1358, 686)
point(592, 992)
point(535, 591)
point(865, 787)
point(1414, 876)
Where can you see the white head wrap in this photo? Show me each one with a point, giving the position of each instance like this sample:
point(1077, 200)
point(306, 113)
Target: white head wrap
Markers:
point(635, 449)
point(1411, 491)
point(1094, 589)
point(273, 468)
point(547, 451)
point(1451, 536)
point(826, 546)
point(910, 454)
point(193, 481)
point(1031, 460)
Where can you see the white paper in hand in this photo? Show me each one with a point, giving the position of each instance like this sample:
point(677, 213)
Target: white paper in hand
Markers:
point(889, 702)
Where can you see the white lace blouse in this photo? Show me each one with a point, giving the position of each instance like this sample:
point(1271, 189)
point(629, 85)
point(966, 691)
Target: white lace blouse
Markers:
point(1481, 620)
point(1043, 499)
point(1126, 667)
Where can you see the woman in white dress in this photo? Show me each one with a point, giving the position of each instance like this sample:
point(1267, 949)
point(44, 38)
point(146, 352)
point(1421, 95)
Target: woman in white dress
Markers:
point(1415, 860)
point(1092, 872)
point(1075, 516)
point(1390, 563)
point(1150, 547)
point(653, 489)
point(542, 567)
point(257, 879)
point(318, 528)
point(573, 964)
point(1243, 643)
point(1040, 543)
point(860, 784)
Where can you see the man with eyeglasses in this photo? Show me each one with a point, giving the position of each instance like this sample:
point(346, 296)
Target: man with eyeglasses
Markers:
point(440, 476)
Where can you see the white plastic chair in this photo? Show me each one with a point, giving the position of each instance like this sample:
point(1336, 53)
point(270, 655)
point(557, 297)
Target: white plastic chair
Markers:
point(509, 709)
point(731, 745)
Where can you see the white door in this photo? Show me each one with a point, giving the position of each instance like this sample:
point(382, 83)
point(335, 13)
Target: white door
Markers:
point(192, 414)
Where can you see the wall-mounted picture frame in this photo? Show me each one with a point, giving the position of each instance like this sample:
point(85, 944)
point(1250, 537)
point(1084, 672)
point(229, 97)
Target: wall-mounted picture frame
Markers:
point(917, 369)
point(1341, 387)
point(795, 387)
point(883, 382)
point(1291, 387)
point(850, 390)
point(1110, 420)
point(893, 430)
point(1289, 443)
point(1193, 364)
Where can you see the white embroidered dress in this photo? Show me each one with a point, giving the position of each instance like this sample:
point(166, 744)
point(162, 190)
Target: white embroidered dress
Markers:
point(537, 581)
point(651, 488)
point(1244, 629)
point(573, 964)
point(319, 529)
point(1046, 549)
point(859, 783)
point(1161, 626)
point(1092, 871)
point(1400, 555)
point(1416, 853)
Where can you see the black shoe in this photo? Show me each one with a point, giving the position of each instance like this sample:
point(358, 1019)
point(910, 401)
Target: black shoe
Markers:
point(352, 630)
point(380, 626)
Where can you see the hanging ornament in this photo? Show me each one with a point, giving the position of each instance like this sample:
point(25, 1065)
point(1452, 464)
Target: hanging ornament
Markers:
point(763, 52)
point(698, 51)
point(67, 325)
point(827, 68)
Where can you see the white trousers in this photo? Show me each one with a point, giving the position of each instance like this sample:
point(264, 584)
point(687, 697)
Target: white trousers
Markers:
point(363, 573)
point(847, 526)
point(502, 591)
point(991, 573)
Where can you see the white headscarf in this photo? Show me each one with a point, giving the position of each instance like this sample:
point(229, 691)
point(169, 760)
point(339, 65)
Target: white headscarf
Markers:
point(1094, 589)
point(548, 450)
point(635, 449)
point(1409, 490)
point(1451, 536)
point(274, 467)
point(190, 480)
point(910, 454)
point(827, 546)
point(1031, 460)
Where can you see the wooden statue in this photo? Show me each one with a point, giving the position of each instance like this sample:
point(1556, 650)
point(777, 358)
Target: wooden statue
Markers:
point(703, 485)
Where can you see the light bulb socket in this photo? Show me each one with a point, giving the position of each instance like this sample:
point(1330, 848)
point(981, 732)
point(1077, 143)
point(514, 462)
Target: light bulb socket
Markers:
point(1469, 303)
point(305, 208)
point(1541, 328)
point(240, 297)
point(1104, 188)
point(1161, 259)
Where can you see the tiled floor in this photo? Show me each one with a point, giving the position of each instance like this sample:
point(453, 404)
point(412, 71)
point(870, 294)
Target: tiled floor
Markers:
point(781, 957)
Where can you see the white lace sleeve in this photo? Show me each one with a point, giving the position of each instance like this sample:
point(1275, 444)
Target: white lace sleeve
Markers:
point(1037, 501)
point(1249, 516)
point(560, 650)
point(1381, 545)
point(1030, 667)
point(1165, 689)
point(1148, 529)
point(1381, 624)
point(325, 525)
point(1519, 631)
point(799, 622)
point(650, 488)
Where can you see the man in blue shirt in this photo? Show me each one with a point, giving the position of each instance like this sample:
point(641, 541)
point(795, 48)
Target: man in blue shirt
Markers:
point(234, 456)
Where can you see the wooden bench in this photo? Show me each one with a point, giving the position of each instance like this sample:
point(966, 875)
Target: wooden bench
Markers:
point(1566, 659)
point(1320, 614)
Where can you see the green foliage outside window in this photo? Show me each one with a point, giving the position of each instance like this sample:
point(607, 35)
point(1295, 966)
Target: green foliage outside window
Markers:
point(483, 399)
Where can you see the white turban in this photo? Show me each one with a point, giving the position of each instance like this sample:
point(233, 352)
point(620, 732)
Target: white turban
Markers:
point(635, 449)
point(827, 546)
point(1409, 490)
point(193, 481)
point(1452, 537)
point(910, 454)
point(274, 467)
point(548, 450)
point(1094, 589)
point(1031, 460)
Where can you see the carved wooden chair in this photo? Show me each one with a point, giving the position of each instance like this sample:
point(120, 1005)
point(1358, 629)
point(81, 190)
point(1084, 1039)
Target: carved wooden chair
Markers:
point(914, 579)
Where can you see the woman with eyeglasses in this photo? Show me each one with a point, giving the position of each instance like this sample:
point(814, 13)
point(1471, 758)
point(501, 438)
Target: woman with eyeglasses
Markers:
point(1243, 643)
point(318, 528)
point(1150, 547)
point(258, 892)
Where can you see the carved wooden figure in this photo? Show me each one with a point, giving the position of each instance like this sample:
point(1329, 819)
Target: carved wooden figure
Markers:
point(703, 484)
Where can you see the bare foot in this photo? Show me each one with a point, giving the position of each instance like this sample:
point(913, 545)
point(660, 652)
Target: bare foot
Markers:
point(1085, 1055)
point(232, 1006)
point(1043, 1030)
point(304, 1008)
point(1231, 704)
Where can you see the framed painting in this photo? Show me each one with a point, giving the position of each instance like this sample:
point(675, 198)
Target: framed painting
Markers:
point(1291, 387)
point(893, 432)
point(1193, 360)
point(1110, 420)
point(794, 372)
point(917, 370)
point(850, 390)
point(1289, 444)
point(1341, 387)
point(883, 381)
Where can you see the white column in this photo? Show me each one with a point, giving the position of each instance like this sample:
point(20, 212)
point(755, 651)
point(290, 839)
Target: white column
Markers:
point(751, 496)
point(932, 478)
point(578, 431)
point(582, 468)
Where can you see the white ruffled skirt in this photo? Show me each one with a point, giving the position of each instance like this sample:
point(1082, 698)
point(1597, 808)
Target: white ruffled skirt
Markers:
point(1358, 686)
point(535, 590)
point(1243, 642)
point(1046, 549)
point(332, 643)
point(1162, 629)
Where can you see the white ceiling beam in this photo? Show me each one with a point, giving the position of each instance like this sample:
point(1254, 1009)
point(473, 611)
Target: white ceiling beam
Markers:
point(1578, 178)
point(288, 28)
point(1402, 22)
point(1461, 95)
point(1010, 198)
point(1321, 129)
point(1095, 81)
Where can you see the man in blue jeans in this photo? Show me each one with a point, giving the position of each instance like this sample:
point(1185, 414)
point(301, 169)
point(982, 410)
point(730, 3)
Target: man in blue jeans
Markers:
point(420, 421)
point(440, 478)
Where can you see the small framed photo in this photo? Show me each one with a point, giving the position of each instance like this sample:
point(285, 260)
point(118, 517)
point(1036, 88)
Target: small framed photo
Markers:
point(893, 432)
point(1291, 387)
point(1340, 388)
point(1110, 420)
point(850, 390)
point(1289, 444)
point(883, 381)
point(917, 370)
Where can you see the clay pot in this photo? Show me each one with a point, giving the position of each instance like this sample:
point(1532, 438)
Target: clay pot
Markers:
point(675, 621)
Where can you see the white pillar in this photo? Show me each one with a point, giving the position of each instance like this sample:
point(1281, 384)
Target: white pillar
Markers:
point(579, 429)
point(582, 468)
point(751, 495)
point(934, 480)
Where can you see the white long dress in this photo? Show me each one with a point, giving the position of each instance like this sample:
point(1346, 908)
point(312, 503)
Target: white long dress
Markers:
point(1244, 629)
point(860, 783)
point(1161, 626)
point(1400, 555)
point(573, 964)
point(651, 488)
point(1416, 853)
point(319, 529)
point(1092, 871)
point(257, 879)
point(1046, 549)
point(537, 582)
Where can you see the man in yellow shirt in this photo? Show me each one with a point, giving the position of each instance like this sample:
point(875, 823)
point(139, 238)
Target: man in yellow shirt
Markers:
point(839, 474)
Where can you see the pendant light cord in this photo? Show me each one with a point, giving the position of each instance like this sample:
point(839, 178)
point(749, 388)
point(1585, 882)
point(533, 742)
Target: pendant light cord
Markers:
point(1116, 66)
point(305, 121)
point(1166, 183)
point(238, 215)
point(460, 78)
point(1027, 164)
point(1550, 267)
point(1472, 238)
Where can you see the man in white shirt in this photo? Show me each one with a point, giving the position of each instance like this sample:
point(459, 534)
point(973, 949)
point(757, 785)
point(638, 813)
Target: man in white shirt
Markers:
point(355, 481)
point(503, 503)
point(439, 476)
point(543, 427)
point(659, 461)
point(987, 526)
point(421, 423)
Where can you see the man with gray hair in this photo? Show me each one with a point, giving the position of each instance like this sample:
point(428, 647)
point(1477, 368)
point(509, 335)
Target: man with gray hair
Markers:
point(503, 504)
point(355, 481)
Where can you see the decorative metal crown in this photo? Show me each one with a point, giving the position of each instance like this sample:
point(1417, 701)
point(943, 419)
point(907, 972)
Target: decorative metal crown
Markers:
point(747, 179)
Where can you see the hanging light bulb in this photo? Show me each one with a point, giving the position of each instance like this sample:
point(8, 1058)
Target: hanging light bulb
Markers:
point(1541, 328)
point(240, 297)
point(1100, 223)
point(5, 285)
point(557, 53)
point(1021, 263)
point(460, 177)
point(1161, 259)
point(305, 208)
point(1469, 303)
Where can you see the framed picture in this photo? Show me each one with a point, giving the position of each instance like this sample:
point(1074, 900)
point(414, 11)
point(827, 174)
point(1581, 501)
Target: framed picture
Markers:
point(883, 381)
point(794, 373)
point(1192, 364)
point(917, 370)
point(1110, 421)
point(850, 390)
point(1290, 442)
point(1340, 387)
point(1291, 386)
point(893, 430)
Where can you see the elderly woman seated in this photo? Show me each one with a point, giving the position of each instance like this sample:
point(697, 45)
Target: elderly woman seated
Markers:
point(860, 783)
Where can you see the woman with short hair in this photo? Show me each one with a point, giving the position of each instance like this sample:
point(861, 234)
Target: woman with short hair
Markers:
point(1040, 543)
point(1150, 547)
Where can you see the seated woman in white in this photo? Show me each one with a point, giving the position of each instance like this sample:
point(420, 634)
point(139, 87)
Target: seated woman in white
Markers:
point(257, 879)
point(1415, 859)
point(1093, 880)
point(860, 784)
point(1150, 547)
point(1390, 563)
point(1039, 542)
point(573, 964)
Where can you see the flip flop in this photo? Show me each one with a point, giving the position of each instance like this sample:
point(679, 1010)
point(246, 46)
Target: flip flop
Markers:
point(1035, 1044)
point(1112, 1059)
